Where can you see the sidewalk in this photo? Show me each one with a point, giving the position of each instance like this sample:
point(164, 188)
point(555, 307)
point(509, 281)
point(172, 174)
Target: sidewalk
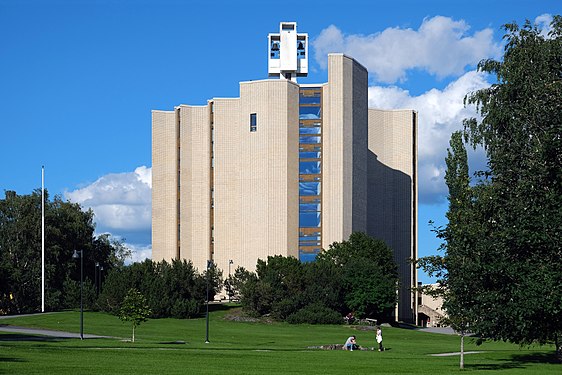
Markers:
point(443, 330)
point(43, 332)
point(47, 332)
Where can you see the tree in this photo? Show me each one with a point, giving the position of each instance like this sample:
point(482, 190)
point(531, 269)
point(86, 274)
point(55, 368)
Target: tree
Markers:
point(503, 266)
point(521, 131)
point(173, 289)
point(369, 274)
point(134, 309)
point(358, 274)
point(67, 227)
point(460, 237)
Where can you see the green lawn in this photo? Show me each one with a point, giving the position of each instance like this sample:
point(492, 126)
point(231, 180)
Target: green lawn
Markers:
point(248, 348)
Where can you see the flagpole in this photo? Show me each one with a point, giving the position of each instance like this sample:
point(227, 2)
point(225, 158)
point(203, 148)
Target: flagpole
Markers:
point(42, 238)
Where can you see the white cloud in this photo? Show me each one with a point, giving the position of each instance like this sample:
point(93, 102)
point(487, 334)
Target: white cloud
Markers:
point(441, 46)
point(440, 114)
point(543, 23)
point(139, 253)
point(120, 201)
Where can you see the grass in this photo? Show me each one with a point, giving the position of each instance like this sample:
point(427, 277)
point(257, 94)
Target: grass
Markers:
point(247, 348)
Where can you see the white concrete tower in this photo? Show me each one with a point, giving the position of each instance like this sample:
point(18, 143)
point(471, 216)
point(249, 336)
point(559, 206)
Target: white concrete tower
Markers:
point(288, 52)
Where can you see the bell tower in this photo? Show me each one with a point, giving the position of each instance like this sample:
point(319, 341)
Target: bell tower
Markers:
point(288, 52)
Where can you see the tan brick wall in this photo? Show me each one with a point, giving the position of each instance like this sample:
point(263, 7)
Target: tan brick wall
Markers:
point(195, 189)
point(269, 170)
point(392, 205)
point(344, 150)
point(227, 186)
point(164, 185)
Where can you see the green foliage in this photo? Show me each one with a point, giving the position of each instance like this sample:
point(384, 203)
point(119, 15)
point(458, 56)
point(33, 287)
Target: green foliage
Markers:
point(71, 294)
point(315, 313)
point(369, 274)
point(67, 228)
point(134, 309)
point(503, 266)
point(359, 275)
point(215, 280)
point(172, 289)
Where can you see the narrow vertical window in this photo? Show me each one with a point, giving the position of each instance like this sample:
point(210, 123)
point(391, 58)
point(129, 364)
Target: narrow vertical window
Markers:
point(253, 122)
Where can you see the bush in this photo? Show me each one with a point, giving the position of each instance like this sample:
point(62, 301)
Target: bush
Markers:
point(283, 308)
point(173, 289)
point(184, 309)
point(315, 314)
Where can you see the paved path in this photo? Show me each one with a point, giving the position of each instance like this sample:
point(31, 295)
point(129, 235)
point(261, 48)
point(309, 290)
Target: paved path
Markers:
point(442, 330)
point(22, 315)
point(48, 332)
point(43, 332)
point(453, 354)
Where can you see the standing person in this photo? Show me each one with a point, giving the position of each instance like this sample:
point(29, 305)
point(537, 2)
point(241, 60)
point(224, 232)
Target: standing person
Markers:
point(350, 343)
point(379, 338)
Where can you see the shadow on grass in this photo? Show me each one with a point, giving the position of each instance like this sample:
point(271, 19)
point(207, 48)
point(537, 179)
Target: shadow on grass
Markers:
point(518, 361)
point(10, 359)
point(20, 337)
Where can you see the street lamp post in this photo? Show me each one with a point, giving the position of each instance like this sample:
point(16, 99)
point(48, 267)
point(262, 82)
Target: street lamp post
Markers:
point(207, 317)
point(80, 254)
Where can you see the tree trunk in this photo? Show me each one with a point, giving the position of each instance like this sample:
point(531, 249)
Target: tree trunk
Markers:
point(133, 333)
point(462, 351)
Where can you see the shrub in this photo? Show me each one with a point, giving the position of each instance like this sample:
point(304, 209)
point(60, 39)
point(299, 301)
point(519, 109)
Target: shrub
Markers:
point(315, 314)
point(184, 309)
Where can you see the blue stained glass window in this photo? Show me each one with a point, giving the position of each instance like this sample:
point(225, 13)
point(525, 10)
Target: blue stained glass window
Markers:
point(309, 207)
point(308, 113)
point(315, 99)
point(307, 257)
point(311, 148)
point(316, 238)
point(309, 188)
point(313, 130)
point(309, 167)
point(309, 219)
point(310, 140)
point(310, 155)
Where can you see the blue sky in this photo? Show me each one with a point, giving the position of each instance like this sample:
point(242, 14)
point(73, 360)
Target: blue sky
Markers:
point(78, 81)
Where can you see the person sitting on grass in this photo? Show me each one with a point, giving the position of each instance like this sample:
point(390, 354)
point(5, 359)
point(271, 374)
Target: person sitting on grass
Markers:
point(350, 344)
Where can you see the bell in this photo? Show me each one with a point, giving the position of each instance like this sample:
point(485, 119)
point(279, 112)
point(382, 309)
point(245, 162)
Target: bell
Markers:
point(275, 47)
point(300, 46)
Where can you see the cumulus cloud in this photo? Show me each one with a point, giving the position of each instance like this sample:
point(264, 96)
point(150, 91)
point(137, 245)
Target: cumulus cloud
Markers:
point(139, 253)
point(441, 46)
point(120, 201)
point(122, 204)
point(440, 114)
point(543, 23)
